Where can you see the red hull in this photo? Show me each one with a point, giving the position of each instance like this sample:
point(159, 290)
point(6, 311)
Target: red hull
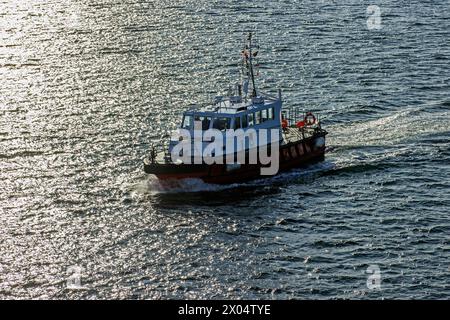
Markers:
point(292, 155)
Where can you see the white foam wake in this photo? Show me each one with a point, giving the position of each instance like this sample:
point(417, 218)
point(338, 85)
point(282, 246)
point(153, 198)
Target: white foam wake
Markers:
point(152, 185)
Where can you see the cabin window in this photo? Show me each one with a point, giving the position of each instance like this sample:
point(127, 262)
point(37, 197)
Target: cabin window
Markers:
point(187, 122)
point(250, 119)
point(244, 122)
point(237, 123)
point(264, 115)
point(205, 121)
point(271, 113)
point(222, 123)
point(258, 117)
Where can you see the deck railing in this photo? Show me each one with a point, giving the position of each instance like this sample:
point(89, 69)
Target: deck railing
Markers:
point(295, 114)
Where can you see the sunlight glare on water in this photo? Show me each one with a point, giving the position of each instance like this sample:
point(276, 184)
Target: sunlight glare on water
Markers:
point(87, 86)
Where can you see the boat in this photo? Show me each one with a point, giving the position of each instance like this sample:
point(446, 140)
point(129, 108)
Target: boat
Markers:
point(206, 145)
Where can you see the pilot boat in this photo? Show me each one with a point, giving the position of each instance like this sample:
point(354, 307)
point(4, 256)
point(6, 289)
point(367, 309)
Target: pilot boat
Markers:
point(203, 148)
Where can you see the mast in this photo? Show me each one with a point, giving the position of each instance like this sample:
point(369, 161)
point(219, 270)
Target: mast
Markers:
point(250, 59)
point(247, 66)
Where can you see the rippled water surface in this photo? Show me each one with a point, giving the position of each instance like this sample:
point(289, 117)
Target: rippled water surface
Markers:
point(87, 85)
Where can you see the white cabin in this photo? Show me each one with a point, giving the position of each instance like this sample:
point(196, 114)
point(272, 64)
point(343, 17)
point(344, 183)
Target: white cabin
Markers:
point(235, 112)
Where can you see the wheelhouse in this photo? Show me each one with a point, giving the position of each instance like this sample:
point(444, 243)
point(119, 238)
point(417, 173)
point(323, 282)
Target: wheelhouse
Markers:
point(226, 115)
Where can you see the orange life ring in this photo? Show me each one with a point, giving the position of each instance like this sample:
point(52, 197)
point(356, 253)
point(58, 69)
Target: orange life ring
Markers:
point(310, 119)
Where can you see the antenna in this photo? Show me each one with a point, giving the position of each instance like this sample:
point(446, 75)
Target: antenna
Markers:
point(250, 59)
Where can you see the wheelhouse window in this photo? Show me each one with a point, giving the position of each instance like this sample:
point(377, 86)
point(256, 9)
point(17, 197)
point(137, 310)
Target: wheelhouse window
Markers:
point(250, 119)
point(264, 115)
point(187, 122)
point(237, 123)
point(271, 113)
point(222, 124)
point(258, 117)
point(244, 122)
point(205, 122)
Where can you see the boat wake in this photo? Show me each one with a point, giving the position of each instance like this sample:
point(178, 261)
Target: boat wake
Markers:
point(390, 141)
point(154, 186)
point(393, 129)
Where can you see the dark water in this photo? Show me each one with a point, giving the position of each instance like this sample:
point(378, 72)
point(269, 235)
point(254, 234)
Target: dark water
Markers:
point(86, 85)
